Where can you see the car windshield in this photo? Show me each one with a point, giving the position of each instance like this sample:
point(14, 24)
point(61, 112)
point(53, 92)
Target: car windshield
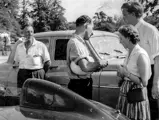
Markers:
point(108, 47)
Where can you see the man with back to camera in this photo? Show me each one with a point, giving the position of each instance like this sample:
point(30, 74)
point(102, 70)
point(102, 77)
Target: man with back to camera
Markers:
point(78, 51)
point(32, 57)
point(149, 40)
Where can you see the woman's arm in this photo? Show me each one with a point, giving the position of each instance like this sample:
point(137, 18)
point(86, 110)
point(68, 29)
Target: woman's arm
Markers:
point(155, 87)
point(144, 68)
point(123, 72)
point(156, 71)
point(143, 64)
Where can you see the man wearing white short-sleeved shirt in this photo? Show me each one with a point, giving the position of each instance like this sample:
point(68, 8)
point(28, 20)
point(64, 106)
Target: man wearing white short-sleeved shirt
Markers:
point(32, 58)
point(149, 40)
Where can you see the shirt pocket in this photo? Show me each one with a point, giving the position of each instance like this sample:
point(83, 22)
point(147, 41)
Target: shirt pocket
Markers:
point(36, 60)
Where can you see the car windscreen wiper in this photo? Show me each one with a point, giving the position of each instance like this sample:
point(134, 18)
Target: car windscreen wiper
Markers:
point(104, 53)
point(117, 56)
point(118, 51)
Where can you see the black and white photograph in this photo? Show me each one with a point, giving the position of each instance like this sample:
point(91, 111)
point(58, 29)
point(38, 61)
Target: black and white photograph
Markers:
point(79, 59)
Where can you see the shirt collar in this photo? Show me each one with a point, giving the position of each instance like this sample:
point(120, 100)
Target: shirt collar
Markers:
point(139, 23)
point(79, 38)
point(34, 42)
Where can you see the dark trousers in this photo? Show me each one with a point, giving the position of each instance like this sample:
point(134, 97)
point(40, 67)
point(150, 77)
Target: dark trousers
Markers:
point(154, 104)
point(82, 87)
point(24, 74)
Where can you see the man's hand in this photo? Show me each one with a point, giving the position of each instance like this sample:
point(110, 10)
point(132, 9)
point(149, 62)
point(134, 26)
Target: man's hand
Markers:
point(15, 65)
point(47, 64)
point(103, 63)
point(155, 91)
point(100, 64)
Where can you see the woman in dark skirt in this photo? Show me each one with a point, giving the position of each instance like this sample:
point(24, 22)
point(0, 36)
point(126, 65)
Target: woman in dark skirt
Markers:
point(135, 73)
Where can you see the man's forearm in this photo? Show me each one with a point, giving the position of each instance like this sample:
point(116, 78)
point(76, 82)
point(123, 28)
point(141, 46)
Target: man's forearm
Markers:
point(47, 64)
point(93, 66)
point(88, 66)
point(156, 71)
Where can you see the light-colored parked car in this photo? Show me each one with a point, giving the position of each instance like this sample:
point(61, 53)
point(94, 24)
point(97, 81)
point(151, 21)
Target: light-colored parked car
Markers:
point(45, 100)
point(105, 81)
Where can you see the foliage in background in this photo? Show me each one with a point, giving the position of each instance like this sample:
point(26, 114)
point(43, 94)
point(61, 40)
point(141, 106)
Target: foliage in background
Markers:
point(153, 19)
point(71, 26)
point(8, 15)
point(48, 15)
point(106, 23)
point(24, 14)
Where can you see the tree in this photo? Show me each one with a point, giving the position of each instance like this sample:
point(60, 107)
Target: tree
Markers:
point(48, 15)
point(72, 25)
point(104, 22)
point(153, 19)
point(10, 7)
point(24, 17)
point(8, 14)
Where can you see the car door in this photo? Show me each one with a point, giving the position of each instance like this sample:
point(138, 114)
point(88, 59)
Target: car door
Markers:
point(57, 46)
point(109, 48)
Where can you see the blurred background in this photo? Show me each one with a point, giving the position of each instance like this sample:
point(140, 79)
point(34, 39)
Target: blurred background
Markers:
point(51, 15)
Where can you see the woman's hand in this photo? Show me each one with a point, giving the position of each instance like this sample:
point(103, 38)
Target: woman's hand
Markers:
point(122, 71)
point(155, 91)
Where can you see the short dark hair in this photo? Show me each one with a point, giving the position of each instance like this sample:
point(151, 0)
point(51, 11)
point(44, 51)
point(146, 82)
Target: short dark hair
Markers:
point(129, 31)
point(82, 20)
point(133, 7)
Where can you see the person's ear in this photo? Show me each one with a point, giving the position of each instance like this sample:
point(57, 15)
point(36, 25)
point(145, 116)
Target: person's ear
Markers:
point(129, 39)
point(133, 14)
point(86, 25)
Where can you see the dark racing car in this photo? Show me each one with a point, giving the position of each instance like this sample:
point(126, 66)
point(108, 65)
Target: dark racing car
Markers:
point(45, 100)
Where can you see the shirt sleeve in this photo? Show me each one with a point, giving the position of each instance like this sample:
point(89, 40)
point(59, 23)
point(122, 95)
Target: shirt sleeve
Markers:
point(46, 55)
point(154, 43)
point(76, 52)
